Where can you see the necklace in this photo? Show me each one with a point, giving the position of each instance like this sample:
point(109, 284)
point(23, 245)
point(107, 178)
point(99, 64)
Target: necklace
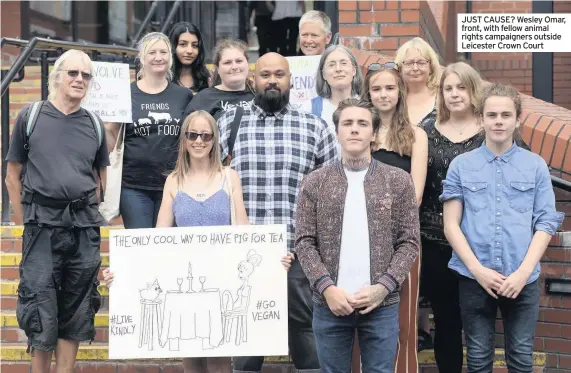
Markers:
point(461, 132)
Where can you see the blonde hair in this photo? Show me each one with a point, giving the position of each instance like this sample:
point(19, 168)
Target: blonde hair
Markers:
point(55, 74)
point(469, 78)
point(400, 136)
point(146, 43)
point(427, 52)
point(183, 162)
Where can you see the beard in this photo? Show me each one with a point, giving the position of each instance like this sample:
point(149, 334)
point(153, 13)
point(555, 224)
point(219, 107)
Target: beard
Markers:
point(272, 101)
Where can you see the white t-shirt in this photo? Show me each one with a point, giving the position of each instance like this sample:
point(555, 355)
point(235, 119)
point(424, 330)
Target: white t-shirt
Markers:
point(354, 260)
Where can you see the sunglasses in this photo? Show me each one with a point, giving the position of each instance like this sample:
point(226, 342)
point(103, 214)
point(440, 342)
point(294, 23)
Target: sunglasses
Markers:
point(75, 73)
point(378, 66)
point(193, 136)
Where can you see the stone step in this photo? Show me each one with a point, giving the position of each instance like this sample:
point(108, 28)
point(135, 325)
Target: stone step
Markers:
point(10, 288)
point(17, 352)
point(13, 260)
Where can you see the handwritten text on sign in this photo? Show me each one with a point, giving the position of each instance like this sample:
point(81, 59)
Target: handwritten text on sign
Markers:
point(185, 238)
point(110, 93)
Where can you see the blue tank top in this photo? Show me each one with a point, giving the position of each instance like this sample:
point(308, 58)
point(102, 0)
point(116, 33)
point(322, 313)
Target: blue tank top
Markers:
point(215, 210)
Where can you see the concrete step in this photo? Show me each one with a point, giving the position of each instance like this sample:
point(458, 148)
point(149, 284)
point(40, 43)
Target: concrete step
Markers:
point(17, 352)
point(10, 288)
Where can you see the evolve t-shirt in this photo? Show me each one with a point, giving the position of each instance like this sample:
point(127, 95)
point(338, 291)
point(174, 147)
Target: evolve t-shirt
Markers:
point(216, 101)
point(151, 141)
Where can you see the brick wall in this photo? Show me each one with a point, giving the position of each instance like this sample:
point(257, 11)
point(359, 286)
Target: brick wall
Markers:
point(562, 66)
point(513, 68)
point(10, 27)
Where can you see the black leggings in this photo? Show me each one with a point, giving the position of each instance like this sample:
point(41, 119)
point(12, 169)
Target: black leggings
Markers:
point(440, 287)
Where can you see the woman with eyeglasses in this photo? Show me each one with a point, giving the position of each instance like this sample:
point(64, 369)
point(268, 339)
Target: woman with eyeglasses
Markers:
point(189, 69)
point(151, 140)
point(201, 192)
point(402, 145)
point(338, 77)
point(418, 63)
point(419, 66)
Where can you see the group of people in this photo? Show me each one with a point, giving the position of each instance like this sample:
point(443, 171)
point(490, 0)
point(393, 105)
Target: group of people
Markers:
point(409, 182)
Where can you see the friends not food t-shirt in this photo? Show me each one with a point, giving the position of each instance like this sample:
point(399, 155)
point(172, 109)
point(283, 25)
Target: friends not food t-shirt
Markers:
point(151, 141)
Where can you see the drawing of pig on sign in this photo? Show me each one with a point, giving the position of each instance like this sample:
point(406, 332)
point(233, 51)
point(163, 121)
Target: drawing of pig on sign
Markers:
point(186, 302)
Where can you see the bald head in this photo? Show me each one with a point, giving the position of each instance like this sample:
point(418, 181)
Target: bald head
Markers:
point(272, 60)
point(271, 80)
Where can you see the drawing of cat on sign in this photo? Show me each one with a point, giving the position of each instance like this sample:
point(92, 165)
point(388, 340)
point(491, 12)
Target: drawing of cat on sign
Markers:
point(199, 292)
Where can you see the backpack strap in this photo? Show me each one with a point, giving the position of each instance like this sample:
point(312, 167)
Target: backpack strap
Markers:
point(33, 114)
point(97, 125)
point(235, 126)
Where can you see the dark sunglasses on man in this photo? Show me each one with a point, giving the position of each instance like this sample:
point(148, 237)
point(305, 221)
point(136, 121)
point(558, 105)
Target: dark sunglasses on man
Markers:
point(382, 66)
point(193, 136)
point(75, 73)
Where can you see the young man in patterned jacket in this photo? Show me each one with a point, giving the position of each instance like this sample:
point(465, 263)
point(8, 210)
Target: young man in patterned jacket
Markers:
point(357, 236)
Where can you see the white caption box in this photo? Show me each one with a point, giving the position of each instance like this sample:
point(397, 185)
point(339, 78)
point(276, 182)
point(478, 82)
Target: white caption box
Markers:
point(522, 32)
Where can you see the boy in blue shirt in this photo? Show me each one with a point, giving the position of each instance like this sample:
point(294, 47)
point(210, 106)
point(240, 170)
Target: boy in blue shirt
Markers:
point(499, 216)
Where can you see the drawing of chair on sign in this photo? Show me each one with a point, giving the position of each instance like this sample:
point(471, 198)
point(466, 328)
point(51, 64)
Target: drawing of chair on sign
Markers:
point(239, 313)
point(238, 309)
point(150, 315)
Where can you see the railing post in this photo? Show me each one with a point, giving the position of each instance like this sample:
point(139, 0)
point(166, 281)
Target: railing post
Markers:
point(5, 145)
point(45, 70)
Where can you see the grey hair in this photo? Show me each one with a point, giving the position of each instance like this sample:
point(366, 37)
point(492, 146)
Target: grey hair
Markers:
point(323, 88)
point(316, 16)
point(55, 74)
point(147, 42)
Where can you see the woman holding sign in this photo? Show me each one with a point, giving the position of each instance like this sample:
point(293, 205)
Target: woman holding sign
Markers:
point(151, 140)
point(201, 192)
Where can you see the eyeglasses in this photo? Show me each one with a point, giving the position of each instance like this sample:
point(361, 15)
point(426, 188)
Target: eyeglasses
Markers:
point(193, 136)
point(75, 73)
point(378, 66)
point(419, 63)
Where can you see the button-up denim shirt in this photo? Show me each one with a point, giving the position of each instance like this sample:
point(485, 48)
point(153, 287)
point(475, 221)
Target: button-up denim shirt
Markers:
point(506, 199)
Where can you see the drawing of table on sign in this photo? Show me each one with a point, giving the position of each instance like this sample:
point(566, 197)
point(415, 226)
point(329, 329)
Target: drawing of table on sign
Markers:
point(192, 315)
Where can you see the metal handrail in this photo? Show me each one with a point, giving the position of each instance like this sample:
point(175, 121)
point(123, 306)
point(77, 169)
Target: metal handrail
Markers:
point(560, 183)
point(44, 44)
point(145, 23)
point(170, 17)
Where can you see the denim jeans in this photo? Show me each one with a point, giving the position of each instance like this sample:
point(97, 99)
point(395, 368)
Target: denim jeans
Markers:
point(519, 316)
point(377, 332)
point(300, 333)
point(139, 208)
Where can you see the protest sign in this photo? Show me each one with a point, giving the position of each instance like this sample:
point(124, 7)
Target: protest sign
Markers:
point(303, 71)
point(198, 292)
point(110, 93)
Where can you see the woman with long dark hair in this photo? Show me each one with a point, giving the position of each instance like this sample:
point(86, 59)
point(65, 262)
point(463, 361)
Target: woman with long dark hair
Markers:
point(189, 69)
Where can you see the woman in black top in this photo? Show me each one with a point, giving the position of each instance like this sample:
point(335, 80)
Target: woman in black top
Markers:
point(231, 62)
point(402, 145)
point(189, 69)
point(151, 140)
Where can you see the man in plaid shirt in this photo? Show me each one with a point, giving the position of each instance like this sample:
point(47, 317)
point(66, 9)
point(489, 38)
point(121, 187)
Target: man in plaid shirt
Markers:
point(274, 147)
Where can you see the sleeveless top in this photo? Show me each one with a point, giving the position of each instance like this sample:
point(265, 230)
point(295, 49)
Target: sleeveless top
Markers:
point(393, 159)
point(215, 210)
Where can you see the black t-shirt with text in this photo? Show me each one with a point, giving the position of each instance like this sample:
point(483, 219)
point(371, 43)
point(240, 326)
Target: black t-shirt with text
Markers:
point(64, 151)
point(216, 101)
point(151, 141)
